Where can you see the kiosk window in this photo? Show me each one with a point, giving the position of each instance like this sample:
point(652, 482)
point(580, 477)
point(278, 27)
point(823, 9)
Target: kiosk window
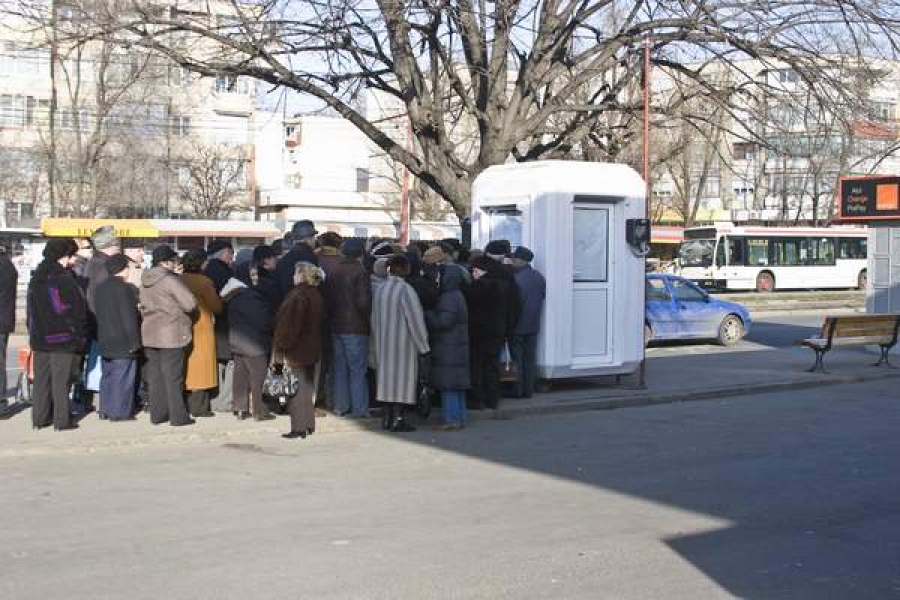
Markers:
point(506, 224)
point(590, 244)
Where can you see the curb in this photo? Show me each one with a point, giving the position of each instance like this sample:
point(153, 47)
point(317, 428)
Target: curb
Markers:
point(242, 438)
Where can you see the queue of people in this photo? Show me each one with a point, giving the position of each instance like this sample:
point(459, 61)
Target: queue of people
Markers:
point(355, 323)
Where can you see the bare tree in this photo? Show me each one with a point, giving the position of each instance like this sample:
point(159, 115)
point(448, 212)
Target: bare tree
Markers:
point(211, 180)
point(531, 78)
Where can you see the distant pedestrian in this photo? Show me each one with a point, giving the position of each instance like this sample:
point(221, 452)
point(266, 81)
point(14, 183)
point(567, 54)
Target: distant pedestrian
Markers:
point(400, 336)
point(298, 343)
point(9, 280)
point(448, 329)
point(166, 305)
point(58, 330)
point(250, 322)
point(119, 339)
point(201, 376)
point(348, 296)
point(303, 236)
point(523, 343)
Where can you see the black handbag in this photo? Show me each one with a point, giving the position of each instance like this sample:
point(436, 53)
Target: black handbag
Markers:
point(282, 381)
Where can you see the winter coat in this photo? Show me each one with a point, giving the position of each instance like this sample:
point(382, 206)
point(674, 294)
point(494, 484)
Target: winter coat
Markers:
point(328, 259)
point(119, 325)
point(532, 291)
point(220, 273)
point(448, 335)
point(399, 336)
point(166, 306)
point(348, 296)
point(57, 310)
point(202, 373)
point(96, 273)
point(250, 322)
point(487, 300)
point(298, 327)
point(9, 280)
point(284, 271)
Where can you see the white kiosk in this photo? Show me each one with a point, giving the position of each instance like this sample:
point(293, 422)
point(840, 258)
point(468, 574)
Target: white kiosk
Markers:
point(574, 216)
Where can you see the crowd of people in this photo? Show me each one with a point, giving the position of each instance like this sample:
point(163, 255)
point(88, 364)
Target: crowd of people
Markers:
point(358, 322)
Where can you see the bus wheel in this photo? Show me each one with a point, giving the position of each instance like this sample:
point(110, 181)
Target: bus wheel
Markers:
point(765, 282)
point(862, 281)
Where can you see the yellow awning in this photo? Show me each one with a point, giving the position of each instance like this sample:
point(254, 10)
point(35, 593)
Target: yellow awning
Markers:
point(83, 228)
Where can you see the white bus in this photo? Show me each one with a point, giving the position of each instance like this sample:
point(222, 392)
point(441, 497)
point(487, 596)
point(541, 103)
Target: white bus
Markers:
point(764, 259)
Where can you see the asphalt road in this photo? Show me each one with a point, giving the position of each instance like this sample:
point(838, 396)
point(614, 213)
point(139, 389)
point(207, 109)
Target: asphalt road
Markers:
point(790, 495)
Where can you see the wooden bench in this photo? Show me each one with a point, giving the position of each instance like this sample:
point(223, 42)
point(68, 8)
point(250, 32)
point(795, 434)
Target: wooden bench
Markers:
point(855, 330)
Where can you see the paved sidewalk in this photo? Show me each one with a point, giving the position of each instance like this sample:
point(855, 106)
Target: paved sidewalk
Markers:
point(669, 379)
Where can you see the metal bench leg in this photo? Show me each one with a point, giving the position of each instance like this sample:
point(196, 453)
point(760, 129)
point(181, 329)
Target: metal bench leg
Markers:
point(885, 358)
point(819, 366)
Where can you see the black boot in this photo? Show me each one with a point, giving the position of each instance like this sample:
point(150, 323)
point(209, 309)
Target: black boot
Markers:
point(400, 424)
point(387, 416)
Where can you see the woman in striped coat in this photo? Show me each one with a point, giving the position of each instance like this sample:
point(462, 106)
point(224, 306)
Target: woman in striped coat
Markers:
point(399, 336)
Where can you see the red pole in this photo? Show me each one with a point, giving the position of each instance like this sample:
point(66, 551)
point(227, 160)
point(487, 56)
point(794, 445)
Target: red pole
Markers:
point(404, 192)
point(647, 125)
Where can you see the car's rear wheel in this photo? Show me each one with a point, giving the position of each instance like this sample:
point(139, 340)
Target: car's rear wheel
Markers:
point(765, 282)
point(731, 330)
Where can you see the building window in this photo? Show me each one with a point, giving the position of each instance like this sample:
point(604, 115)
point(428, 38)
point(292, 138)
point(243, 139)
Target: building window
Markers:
point(12, 110)
point(232, 84)
point(362, 180)
point(181, 126)
point(786, 75)
point(883, 111)
point(743, 151)
point(179, 76)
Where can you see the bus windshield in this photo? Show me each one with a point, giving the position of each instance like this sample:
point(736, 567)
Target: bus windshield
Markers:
point(696, 253)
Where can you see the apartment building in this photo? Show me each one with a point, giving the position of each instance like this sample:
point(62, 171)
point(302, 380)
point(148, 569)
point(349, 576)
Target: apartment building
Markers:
point(129, 134)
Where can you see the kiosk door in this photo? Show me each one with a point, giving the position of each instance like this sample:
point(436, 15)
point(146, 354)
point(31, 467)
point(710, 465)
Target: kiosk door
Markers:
point(592, 275)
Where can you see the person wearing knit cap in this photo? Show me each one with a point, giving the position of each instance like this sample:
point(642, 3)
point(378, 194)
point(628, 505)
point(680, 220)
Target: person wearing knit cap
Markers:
point(434, 256)
point(119, 340)
point(523, 342)
point(58, 329)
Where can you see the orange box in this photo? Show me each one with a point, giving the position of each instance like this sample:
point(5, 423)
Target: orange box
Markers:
point(887, 197)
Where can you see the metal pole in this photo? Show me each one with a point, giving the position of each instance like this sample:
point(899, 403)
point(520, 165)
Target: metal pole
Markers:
point(404, 192)
point(643, 370)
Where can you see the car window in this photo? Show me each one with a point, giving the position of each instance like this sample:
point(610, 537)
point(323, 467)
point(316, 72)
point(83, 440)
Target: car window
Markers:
point(686, 292)
point(656, 290)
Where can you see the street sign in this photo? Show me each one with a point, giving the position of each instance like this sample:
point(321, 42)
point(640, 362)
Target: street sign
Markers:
point(870, 198)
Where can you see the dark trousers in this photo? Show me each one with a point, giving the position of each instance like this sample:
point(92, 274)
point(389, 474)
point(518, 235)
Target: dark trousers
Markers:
point(53, 375)
point(198, 402)
point(523, 349)
point(303, 413)
point(165, 377)
point(249, 376)
point(117, 387)
point(4, 343)
point(485, 361)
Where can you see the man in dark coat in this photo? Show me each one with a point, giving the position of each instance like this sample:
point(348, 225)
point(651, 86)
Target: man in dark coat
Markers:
point(119, 338)
point(488, 299)
point(9, 279)
point(57, 332)
point(348, 296)
point(219, 270)
point(523, 344)
point(303, 236)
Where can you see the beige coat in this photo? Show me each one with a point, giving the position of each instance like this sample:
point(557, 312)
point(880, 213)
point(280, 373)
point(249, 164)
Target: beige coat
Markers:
point(202, 372)
point(166, 305)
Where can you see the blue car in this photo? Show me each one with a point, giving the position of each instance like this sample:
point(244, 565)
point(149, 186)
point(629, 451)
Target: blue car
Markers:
point(677, 309)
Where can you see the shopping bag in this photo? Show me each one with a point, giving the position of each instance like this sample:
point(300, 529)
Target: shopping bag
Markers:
point(23, 390)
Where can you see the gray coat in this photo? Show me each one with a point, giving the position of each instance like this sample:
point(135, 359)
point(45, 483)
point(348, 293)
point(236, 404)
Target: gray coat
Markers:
point(448, 332)
point(166, 305)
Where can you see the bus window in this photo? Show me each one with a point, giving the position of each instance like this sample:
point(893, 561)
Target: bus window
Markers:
point(696, 253)
point(735, 251)
point(820, 251)
point(852, 248)
point(757, 252)
point(788, 252)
